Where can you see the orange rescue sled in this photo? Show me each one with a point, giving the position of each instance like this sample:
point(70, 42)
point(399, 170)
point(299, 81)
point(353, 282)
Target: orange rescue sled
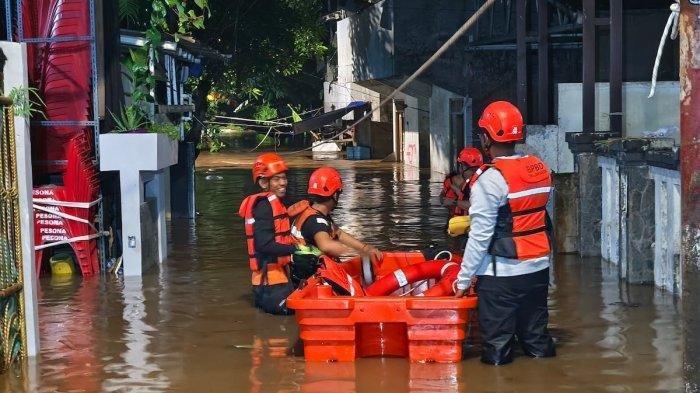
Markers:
point(344, 328)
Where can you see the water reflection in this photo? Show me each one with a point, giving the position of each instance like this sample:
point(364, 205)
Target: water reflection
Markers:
point(189, 326)
point(68, 330)
point(136, 368)
point(380, 375)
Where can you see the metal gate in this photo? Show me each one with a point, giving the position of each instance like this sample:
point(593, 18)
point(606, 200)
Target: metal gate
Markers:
point(12, 326)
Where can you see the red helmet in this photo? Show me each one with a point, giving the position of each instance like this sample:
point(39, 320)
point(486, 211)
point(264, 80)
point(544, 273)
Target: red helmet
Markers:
point(471, 157)
point(503, 122)
point(325, 181)
point(268, 165)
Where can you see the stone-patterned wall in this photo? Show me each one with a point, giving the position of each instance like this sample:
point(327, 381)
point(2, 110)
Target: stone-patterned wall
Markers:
point(149, 230)
point(565, 218)
point(589, 196)
point(637, 213)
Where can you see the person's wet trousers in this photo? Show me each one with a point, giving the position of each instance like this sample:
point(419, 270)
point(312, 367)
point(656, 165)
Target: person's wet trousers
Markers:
point(510, 307)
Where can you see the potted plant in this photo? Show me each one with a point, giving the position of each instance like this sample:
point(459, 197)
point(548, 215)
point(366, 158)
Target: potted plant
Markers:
point(138, 144)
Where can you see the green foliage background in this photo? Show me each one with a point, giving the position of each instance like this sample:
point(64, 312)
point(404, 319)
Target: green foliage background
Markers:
point(275, 47)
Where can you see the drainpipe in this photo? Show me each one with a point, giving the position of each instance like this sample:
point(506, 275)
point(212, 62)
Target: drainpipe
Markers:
point(690, 188)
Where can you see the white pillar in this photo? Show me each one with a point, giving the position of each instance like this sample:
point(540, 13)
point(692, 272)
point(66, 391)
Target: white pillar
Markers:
point(158, 188)
point(15, 73)
point(132, 198)
point(140, 157)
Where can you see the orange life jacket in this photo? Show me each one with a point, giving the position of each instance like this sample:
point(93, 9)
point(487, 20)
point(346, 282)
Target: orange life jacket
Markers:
point(342, 282)
point(463, 196)
point(450, 193)
point(306, 211)
point(272, 273)
point(521, 230)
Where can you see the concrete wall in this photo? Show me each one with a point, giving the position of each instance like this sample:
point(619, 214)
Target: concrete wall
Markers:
point(667, 217)
point(636, 224)
point(338, 95)
point(440, 135)
point(549, 143)
point(366, 44)
point(565, 216)
point(15, 75)
point(393, 38)
point(421, 27)
point(378, 137)
point(610, 204)
point(627, 226)
point(641, 114)
point(411, 127)
point(589, 204)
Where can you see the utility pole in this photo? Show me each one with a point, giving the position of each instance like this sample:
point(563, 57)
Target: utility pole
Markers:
point(690, 188)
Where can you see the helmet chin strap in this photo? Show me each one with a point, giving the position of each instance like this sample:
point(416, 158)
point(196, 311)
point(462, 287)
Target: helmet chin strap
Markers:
point(486, 146)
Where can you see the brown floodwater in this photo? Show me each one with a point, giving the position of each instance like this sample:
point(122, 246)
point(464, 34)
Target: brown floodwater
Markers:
point(189, 325)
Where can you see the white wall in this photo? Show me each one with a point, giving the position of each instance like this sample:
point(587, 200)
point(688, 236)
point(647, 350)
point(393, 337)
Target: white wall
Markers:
point(339, 95)
point(440, 155)
point(640, 114)
point(549, 143)
point(411, 146)
point(610, 222)
point(15, 76)
point(365, 47)
point(667, 219)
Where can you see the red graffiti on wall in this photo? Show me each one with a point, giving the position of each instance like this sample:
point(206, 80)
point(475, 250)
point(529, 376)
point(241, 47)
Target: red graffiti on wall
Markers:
point(412, 154)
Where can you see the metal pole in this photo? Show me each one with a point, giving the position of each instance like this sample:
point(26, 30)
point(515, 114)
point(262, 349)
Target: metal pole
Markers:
point(521, 56)
point(96, 129)
point(8, 19)
point(690, 188)
point(543, 61)
point(20, 23)
point(589, 61)
point(616, 66)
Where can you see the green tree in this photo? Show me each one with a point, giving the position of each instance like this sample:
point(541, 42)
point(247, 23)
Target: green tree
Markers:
point(274, 46)
point(273, 43)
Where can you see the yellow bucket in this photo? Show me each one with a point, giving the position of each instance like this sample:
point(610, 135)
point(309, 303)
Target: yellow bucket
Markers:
point(62, 265)
point(458, 226)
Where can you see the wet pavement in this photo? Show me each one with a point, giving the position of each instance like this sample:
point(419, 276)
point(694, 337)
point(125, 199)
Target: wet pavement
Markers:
point(189, 326)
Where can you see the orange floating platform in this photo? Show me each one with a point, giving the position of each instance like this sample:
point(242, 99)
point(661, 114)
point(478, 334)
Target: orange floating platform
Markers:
point(344, 328)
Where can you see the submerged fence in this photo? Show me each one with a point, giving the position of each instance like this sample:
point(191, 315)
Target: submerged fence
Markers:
point(12, 326)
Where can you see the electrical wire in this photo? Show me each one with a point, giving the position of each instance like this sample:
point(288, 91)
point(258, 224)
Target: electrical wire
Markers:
point(451, 41)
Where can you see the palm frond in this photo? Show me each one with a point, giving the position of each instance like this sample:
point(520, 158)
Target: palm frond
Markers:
point(130, 9)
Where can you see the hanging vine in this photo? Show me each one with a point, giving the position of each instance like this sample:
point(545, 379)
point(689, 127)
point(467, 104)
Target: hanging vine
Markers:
point(178, 18)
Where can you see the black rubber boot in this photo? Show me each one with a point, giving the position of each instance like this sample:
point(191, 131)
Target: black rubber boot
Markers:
point(510, 306)
point(496, 321)
point(273, 298)
point(531, 326)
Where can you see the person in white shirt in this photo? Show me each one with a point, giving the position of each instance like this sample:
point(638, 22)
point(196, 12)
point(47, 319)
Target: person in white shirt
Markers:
point(509, 242)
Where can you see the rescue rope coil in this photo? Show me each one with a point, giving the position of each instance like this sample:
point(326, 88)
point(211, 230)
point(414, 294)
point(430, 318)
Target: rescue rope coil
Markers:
point(12, 321)
point(438, 270)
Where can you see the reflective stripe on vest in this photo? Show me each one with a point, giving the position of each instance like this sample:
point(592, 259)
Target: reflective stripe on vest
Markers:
point(299, 223)
point(282, 235)
point(521, 225)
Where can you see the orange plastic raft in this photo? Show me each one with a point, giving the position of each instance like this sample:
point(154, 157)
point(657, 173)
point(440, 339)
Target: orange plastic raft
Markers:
point(344, 328)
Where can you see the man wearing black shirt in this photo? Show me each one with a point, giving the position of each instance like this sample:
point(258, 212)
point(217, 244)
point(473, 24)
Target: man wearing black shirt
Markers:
point(314, 226)
point(269, 242)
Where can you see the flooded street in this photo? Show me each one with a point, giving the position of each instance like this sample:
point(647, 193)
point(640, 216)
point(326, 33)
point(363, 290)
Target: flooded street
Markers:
point(189, 326)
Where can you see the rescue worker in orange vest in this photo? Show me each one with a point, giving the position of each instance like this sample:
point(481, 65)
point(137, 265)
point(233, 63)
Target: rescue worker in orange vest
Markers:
point(267, 228)
point(451, 188)
point(509, 242)
point(314, 226)
point(468, 161)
